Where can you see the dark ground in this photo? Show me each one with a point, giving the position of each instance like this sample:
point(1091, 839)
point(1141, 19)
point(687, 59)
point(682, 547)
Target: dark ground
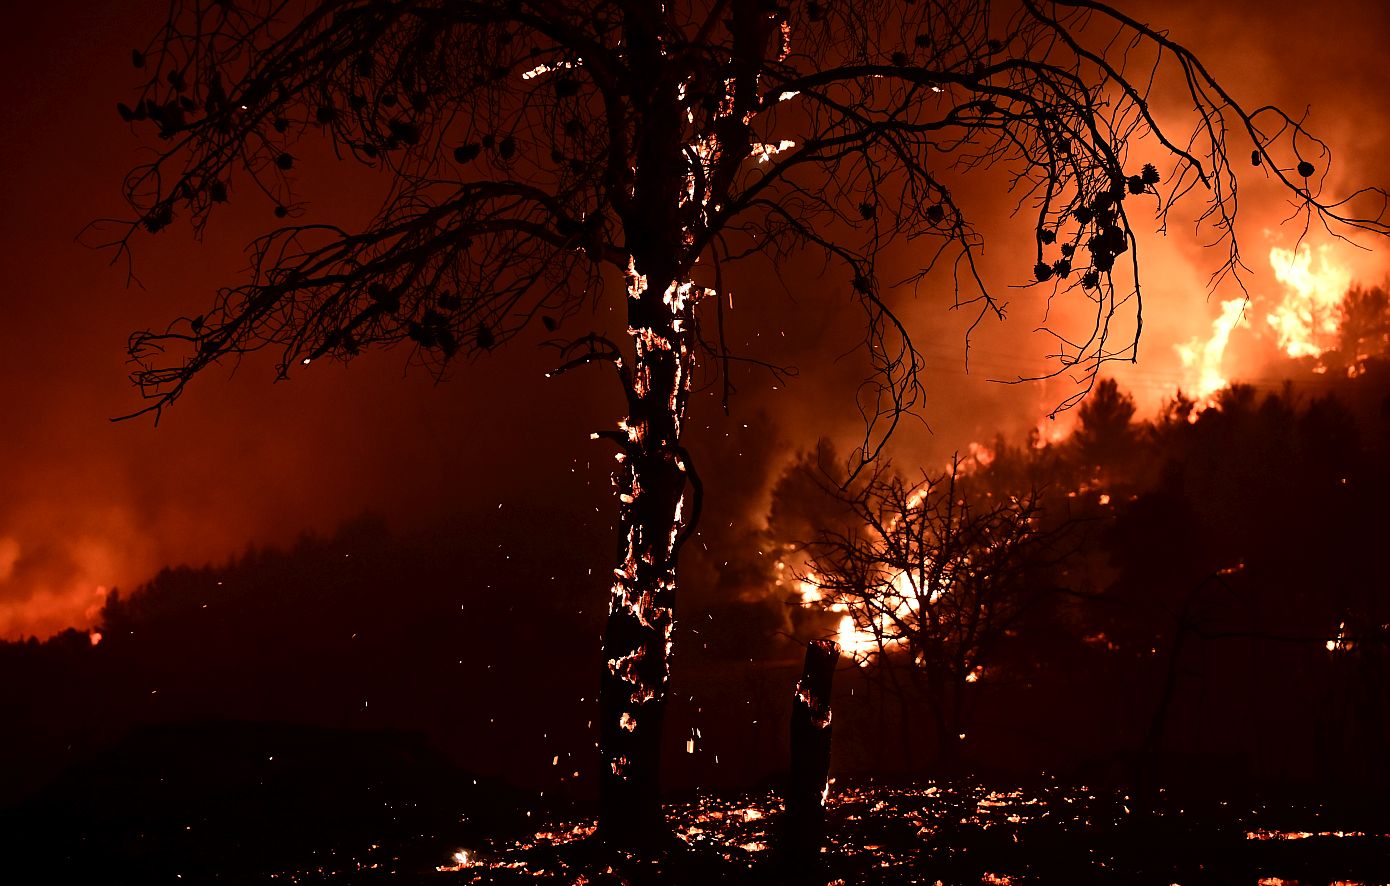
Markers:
point(261, 803)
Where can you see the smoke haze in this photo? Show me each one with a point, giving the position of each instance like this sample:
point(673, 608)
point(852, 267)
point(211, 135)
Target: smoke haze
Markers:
point(89, 504)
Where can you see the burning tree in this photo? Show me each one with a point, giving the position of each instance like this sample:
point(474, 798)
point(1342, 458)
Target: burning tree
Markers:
point(936, 571)
point(1363, 328)
point(532, 152)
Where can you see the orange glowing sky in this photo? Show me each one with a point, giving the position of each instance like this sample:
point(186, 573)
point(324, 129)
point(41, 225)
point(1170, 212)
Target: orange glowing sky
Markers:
point(89, 504)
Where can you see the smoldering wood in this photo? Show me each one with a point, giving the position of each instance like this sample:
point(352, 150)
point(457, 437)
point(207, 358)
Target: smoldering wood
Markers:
point(804, 820)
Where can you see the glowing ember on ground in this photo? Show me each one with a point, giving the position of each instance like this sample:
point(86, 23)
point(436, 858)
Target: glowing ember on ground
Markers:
point(460, 862)
point(1299, 835)
point(1340, 643)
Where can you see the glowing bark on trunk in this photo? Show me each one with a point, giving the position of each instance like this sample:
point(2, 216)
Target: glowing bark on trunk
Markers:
point(651, 481)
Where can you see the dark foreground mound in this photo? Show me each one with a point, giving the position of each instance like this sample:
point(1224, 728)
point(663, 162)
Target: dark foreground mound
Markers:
point(238, 803)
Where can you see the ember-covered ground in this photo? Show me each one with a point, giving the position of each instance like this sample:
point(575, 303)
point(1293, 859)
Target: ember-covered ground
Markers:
point(382, 809)
point(939, 832)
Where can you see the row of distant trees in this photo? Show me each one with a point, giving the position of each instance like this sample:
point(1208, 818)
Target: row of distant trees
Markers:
point(1210, 561)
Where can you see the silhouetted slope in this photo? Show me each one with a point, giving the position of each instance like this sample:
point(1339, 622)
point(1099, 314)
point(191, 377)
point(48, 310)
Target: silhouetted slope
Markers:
point(229, 802)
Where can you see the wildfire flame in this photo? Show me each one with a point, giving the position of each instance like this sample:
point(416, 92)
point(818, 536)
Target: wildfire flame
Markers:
point(1307, 318)
point(1304, 317)
point(859, 639)
point(856, 642)
point(1202, 360)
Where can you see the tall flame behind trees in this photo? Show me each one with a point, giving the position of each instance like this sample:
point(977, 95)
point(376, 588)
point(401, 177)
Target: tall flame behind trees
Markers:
point(1316, 314)
point(535, 151)
point(1307, 318)
point(1203, 358)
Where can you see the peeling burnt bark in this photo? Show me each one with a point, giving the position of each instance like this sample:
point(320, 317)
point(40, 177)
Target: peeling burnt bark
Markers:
point(804, 822)
point(651, 485)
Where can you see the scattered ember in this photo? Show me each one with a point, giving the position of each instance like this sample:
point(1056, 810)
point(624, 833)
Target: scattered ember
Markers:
point(948, 833)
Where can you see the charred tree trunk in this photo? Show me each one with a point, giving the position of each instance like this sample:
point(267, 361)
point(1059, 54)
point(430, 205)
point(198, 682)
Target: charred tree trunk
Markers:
point(662, 189)
point(804, 821)
point(651, 483)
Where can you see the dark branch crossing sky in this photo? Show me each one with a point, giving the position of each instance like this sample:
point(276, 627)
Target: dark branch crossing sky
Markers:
point(87, 504)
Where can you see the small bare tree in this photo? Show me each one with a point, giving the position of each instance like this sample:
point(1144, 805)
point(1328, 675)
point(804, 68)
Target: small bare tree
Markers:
point(532, 151)
point(935, 571)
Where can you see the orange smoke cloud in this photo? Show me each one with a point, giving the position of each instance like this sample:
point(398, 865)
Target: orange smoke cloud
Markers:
point(58, 564)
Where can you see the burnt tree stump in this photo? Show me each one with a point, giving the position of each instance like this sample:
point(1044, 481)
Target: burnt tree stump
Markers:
point(803, 825)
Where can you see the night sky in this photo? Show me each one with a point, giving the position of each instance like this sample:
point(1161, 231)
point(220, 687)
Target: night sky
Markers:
point(89, 504)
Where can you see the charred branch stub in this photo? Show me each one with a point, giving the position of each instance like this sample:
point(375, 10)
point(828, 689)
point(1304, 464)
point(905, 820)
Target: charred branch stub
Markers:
point(807, 785)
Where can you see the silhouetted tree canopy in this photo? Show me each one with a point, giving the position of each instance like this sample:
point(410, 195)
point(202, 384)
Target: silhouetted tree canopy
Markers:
point(936, 570)
point(529, 146)
point(534, 153)
point(1103, 424)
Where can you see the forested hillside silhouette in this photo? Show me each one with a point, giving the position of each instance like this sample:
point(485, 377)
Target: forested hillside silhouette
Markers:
point(362, 630)
point(1218, 621)
point(1221, 611)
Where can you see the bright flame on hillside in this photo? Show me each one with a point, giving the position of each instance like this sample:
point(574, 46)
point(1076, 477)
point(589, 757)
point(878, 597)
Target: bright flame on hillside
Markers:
point(1304, 314)
point(1306, 320)
point(1202, 360)
point(854, 641)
